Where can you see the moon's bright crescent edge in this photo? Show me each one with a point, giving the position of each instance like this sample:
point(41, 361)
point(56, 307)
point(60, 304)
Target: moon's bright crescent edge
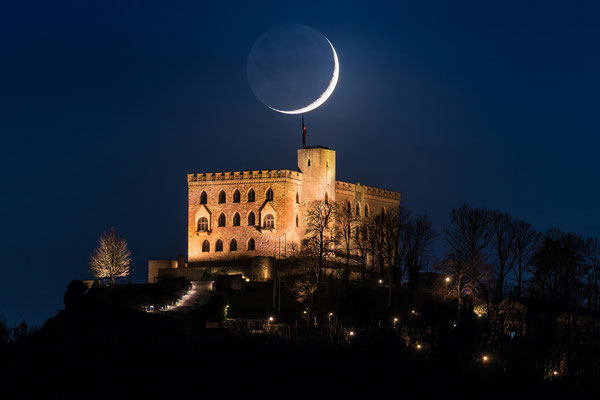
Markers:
point(323, 97)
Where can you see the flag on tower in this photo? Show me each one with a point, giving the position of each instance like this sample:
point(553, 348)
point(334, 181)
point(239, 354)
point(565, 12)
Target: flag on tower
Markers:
point(303, 133)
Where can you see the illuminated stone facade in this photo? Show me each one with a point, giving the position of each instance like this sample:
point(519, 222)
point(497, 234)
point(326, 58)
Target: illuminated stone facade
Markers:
point(235, 216)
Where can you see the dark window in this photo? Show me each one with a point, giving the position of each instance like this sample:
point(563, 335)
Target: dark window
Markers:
point(221, 196)
point(205, 246)
point(269, 221)
point(297, 198)
point(297, 220)
point(251, 196)
point(366, 210)
point(270, 195)
point(233, 245)
point(236, 196)
point(236, 219)
point(357, 210)
point(251, 244)
point(203, 197)
point(202, 224)
point(309, 162)
point(222, 220)
point(357, 233)
point(219, 245)
point(251, 221)
point(326, 198)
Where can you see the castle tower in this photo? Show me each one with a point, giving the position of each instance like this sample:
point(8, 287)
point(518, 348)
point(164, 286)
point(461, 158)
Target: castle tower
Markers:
point(317, 165)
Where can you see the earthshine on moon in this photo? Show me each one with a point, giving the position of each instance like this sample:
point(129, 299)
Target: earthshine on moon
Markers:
point(293, 69)
point(325, 95)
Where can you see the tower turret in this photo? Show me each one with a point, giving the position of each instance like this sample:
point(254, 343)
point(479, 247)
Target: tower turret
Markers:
point(317, 165)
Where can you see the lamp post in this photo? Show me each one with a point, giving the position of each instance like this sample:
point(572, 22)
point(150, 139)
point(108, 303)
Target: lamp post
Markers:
point(330, 315)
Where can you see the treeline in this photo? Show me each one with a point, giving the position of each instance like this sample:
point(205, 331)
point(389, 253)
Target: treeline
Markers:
point(526, 299)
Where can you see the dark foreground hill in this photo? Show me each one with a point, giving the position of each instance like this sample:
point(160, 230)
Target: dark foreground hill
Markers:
point(101, 351)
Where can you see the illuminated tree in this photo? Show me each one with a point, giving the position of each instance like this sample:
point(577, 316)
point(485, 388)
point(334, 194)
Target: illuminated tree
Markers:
point(111, 259)
point(321, 232)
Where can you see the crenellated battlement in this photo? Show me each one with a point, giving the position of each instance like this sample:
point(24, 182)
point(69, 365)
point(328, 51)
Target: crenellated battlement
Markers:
point(242, 175)
point(369, 190)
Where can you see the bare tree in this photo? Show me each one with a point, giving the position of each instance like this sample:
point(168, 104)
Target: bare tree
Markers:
point(416, 238)
point(527, 242)
point(503, 235)
point(468, 237)
point(321, 232)
point(362, 244)
point(111, 259)
point(347, 221)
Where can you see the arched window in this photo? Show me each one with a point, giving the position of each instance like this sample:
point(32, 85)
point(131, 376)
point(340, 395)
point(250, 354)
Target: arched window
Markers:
point(309, 162)
point(236, 196)
point(251, 219)
point(383, 211)
point(357, 236)
point(222, 196)
point(327, 163)
point(357, 210)
point(366, 210)
point(202, 224)
point(222, 220)
point(251, 244)
point(348, 208)
point(236, 219)
point(297, 221)
point(251, 196)
point(326, 198)
point(269, 221)
point(269, 194)
point(203, 197)
point(205, 246)
point(219, 245)
point(233, 245)
point(297, 198)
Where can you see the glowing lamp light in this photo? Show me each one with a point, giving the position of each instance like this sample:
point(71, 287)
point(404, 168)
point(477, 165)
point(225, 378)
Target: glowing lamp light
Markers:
point(330, 314)
point(270, 319)
point(395, 319)
point(351, 333)
point(247, 279)
point(304, 312)
point(380, 281)
point(555, 373)
point(419, 347)
point(485, 358)
point(447, 279)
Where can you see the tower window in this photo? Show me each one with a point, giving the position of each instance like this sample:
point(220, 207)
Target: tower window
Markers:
point(251, 219)
point(270, 194)
point(219, 245)
point(297, 221)
point(251, 244)
point(222, 220)
point(236, 219)
point(308, 162)
point(269, 222)
point(202, 224)
point(326, 198)
point(203, 197)
point(327, 163)
point(233, 245)
point(221, 196)
point(366, 210)
point(236, 196)
point(251, 196)
point(357, 210)
point(205, 246)
point(297, 198)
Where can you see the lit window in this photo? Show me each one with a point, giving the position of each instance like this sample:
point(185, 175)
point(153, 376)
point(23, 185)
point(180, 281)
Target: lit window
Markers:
point(203, 198)
point(236, 196)
point(205, 246)
point(202, 224)
point(269, 221)
point(219, 245)
point(270, 195)
point(236, 219)
point(251, 196)
point(251, 244)
point(222, 220)
point(251, 221)
point(233, 245)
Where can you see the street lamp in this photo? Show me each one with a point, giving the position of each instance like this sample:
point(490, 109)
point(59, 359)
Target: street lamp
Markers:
point(419, 347)
point(330, 315)
point(270, 320)
point(447, 279)
point(395, 320)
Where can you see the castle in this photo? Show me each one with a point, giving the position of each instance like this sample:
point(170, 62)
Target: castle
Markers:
point(239, 222)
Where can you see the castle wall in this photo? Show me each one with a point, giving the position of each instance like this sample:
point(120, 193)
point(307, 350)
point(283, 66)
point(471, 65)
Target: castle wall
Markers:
point(366, 198)
point(284, 184)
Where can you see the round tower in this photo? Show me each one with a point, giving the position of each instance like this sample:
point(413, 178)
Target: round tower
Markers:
point(317, 165)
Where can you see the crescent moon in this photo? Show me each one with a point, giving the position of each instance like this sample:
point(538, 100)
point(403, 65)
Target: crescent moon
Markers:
point(325, 95)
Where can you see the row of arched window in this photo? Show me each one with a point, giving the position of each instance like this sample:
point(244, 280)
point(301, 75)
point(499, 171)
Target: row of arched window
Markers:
point(268, 222)
point(250, 196)
point(233, 245)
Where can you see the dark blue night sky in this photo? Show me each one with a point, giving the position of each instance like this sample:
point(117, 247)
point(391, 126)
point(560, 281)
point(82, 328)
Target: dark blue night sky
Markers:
point(104, 107)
